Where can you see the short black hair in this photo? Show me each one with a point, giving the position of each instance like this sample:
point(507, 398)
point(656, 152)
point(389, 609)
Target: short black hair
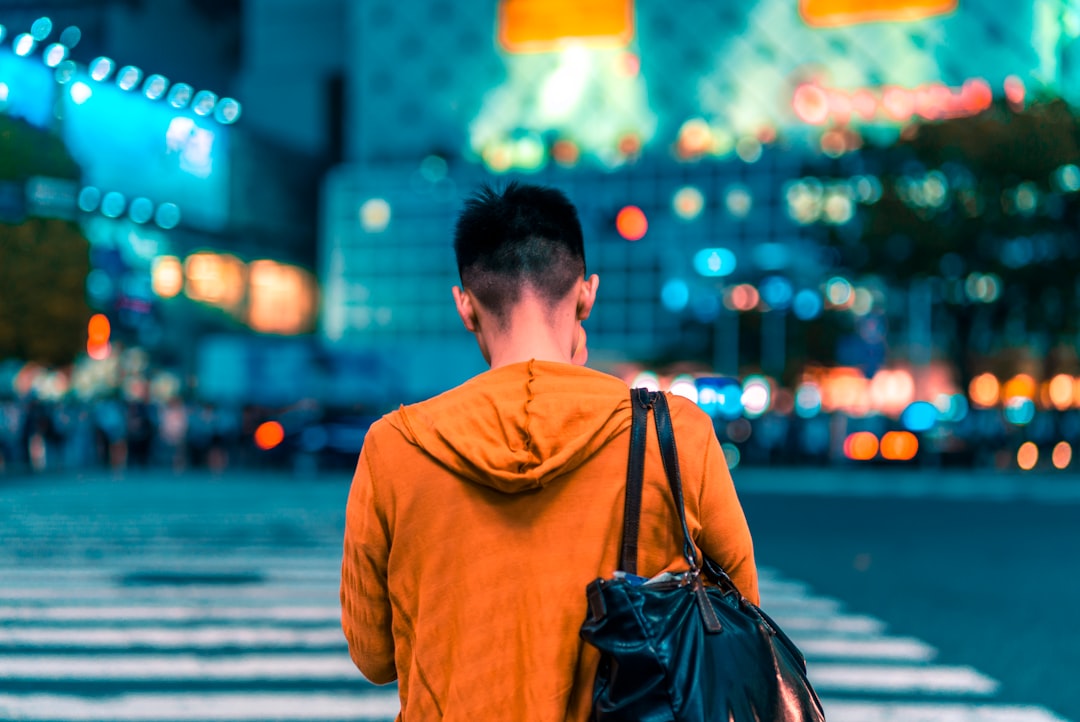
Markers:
point(526, 236)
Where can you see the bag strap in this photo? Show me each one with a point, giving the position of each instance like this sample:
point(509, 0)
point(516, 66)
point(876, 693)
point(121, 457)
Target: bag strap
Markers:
point(666, 433)
point(640, 402)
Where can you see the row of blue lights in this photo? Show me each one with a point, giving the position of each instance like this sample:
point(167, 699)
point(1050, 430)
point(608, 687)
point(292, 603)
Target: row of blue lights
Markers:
point(129, 77)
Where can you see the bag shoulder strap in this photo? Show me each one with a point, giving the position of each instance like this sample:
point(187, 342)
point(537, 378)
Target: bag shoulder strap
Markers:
point(640, 402)
point(666, 432)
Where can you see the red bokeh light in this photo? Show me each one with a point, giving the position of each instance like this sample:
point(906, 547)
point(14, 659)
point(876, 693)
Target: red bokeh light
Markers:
point(632, 223)
point(269, 435)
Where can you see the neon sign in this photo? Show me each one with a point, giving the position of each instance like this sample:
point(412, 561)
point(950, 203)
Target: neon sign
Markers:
point(818, 105)
point(833, 13)
point(531, 26)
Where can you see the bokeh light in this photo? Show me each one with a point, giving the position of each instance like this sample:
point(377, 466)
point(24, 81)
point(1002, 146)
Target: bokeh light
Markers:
point(985, 390)
point(756, 396)
point(269, 435)
point(1027, 456)
point(685, 386)
point(675, 295)
point(1061, 391)
point(1019, 386)
point(167, 276)
point(899, 446)
point(715, 262)
point(375, 215)
point(631, 223)
point(1019, 411)
point(808, 400)
point(646, 380)
point(101, 68)
point(1062, 455)
point(861, 446)
point(688, 203)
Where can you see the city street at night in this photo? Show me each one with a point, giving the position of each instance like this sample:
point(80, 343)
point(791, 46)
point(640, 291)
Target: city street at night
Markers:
point(915, 596)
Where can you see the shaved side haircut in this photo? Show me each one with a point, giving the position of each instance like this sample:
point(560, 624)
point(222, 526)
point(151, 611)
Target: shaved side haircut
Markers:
point(524, 237)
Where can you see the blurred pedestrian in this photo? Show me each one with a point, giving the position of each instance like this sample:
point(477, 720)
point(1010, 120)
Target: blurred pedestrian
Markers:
point(173, 431)
point(477, 518)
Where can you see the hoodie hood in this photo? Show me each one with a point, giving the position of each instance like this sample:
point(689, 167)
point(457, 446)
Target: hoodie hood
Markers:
point(517, 427)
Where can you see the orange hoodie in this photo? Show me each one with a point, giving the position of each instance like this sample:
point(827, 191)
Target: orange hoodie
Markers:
point(476, 519)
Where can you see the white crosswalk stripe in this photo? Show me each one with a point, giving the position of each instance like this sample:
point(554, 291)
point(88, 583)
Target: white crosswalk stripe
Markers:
point(182, 599)
point(256, 637)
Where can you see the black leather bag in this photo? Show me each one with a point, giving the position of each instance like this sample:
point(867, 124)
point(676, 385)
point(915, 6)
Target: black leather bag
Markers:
point(682, 649)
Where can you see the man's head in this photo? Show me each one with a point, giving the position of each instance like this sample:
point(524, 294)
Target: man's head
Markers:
point(521, 257)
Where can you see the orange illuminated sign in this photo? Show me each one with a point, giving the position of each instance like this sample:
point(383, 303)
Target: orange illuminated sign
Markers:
point(532, 26)
point(832, 13)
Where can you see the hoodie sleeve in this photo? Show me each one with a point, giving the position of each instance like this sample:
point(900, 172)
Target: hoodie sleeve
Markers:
point(725, 535)
point(365, 602)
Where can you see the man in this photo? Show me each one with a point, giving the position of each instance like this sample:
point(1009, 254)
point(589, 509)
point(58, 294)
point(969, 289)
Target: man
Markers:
point(477, 518)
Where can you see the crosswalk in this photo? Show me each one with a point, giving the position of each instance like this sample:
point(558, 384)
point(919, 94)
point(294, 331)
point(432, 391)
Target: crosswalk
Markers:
point(253, 637)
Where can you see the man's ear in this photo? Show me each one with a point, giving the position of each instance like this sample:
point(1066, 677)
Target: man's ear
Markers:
point(465, 308)
point(587, 296)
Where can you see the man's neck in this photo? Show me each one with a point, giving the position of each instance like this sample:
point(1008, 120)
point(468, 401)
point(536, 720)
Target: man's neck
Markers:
point(532, 334)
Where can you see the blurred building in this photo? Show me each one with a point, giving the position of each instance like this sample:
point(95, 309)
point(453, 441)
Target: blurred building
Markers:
point(198, 224)
point(699, 119)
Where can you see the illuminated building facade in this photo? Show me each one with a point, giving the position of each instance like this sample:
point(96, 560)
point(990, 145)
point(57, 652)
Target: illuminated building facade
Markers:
point(702, 114)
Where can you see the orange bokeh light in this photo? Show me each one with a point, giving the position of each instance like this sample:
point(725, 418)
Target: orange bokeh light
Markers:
point(1061, 391)
point(899, 446)
point(1019, 386)
point(861, 446)
point(269, 435)
point(632, 223)
point(1027, 456)
point(1062, 455)
point(98, 329)
point(985, 390)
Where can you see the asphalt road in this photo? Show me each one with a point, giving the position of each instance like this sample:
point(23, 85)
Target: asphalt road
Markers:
point(189, 598)
point(994, 584)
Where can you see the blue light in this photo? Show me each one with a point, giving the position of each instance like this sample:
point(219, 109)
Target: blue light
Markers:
point(155, 86)
point(675, 295)
point(167, 215)
point(720, 397)
point(80, 93)
point(55, 54)
point(808, 401)
point(180, 95)
point(1020, 411)
point(24, 44)
point(777, 292)
point(227, 111)
point(807, 304)
point(4, 90)
point(41, 28)
point(89, 199)
point(101, 68)
point(113, 204)
point(204, 102)
point(920, 416)
point(128, 77)
point(714, 262)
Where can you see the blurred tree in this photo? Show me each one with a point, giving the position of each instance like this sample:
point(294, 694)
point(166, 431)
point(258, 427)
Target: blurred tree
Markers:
point(982, 194)
point(43, 262)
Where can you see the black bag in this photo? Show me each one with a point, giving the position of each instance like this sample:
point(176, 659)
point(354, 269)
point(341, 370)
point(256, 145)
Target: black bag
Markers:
point(680, 650)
